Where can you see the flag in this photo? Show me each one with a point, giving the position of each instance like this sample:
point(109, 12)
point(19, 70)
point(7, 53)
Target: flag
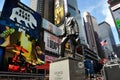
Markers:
point(103, 43)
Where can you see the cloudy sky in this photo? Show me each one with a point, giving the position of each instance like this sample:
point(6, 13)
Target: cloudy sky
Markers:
point(100, 10)
point(97, 8)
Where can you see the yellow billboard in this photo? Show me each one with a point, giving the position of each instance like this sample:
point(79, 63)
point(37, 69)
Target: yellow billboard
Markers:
point(59, 12)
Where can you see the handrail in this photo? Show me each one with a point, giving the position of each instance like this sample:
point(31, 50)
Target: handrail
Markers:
point(19, 74)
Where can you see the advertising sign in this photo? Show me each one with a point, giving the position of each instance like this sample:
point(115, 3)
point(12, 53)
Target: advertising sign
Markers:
point(21, 18)
point(115, 10)
point(51, 27)
point(2, 49)
point(51, 43)
point(20, 36)
point(59, 12)
point(49, 58)
point(116, 14)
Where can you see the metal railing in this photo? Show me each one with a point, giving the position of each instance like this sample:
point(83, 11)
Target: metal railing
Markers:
point(20, 76)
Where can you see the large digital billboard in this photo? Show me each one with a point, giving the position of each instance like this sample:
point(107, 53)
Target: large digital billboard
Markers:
point(59, 12)
point(116, 14)
point(115, 11)
point(21, 18)
point(20, 29)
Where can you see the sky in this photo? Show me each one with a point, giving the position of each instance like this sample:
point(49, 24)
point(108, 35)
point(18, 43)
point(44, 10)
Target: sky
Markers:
point(97, 8)
point(100, 10)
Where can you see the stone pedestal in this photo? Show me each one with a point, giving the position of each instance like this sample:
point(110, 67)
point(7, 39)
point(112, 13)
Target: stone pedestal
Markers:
point(111, 71)
point(67, 69)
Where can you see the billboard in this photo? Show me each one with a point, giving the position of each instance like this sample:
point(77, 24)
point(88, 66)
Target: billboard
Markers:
point(52, 43)
point(20, 35)
point(59, 12)
point(21, 18)
point(51, 27)
point(49, 58)
point(115, 10)
point(116, 14)
point(2, 51)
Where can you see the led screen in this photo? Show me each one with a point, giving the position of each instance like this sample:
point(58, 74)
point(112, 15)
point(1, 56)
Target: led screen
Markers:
point(116, 14)
point(59, 12)
point(2, 49)
point(20, 36)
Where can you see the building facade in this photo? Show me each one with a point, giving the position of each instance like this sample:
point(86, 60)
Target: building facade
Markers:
point(44, 7)
point(105, 33)
point(0, 13)
point(74, 11)
point(90, 27)
point(118, 50)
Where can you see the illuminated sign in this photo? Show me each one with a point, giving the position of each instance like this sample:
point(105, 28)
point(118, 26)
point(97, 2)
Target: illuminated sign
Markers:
point(115, 10)
point(20, 36)
point(2, 51)
point(49, 58)
point(51, 43)
point(59, 12)
point(51, 27)
point(22, 18)
point(20, 15)
point(116, 14)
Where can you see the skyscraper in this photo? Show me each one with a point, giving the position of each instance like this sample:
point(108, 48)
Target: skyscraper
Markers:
point(72, 8)
point(105, 33)
point(0, 13)
point(44, 7)
point(90, 25)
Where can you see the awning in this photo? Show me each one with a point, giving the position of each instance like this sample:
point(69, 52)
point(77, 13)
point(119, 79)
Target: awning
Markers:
point(103, 61)
point(43, 66)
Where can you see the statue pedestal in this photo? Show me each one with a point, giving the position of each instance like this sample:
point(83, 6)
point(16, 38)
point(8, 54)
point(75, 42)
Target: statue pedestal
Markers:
point(67, 69)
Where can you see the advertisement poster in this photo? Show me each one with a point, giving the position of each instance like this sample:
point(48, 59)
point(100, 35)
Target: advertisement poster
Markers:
point(20, 35)
point(51, 27)
point(49, 58)
point(52, 43)
point(116, 14)
point(59, 12)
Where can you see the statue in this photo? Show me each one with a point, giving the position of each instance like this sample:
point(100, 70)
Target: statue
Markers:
point(71, 33)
